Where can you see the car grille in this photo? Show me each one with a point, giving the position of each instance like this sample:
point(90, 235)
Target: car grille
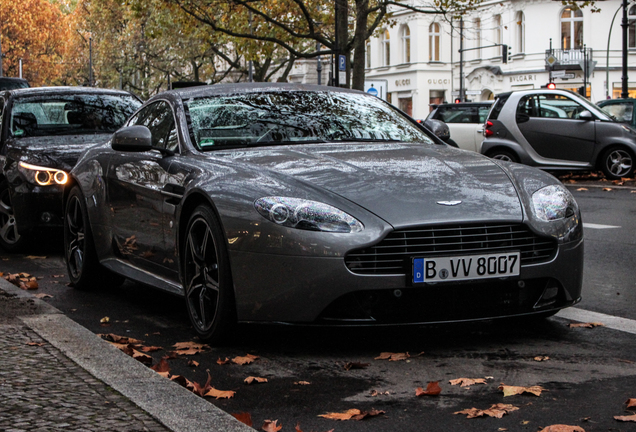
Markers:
point(393, 254)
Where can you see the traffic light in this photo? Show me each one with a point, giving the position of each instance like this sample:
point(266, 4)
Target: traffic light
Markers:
point(504, 53)
point(549, 86)
point(457, 100)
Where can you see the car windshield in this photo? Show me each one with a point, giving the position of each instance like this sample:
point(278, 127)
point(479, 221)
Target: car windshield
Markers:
point(54, 115)
point(296, 118)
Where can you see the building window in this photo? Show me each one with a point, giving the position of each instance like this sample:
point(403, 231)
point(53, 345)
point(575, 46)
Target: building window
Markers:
point(477, 24)
point(406, 44)
point(498, 34)
point(433, 42)
point(631, 36)
point(386, 48)
point(521, 32)
point(571, 29)
point(368, 53)
point(406, 105)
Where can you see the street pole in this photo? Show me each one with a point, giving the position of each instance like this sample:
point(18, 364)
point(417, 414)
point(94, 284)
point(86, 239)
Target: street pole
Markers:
point(461, 59)
point(336, 63)
point(609, 36)
point(90, 61)
point(0, 55)
point(20, 68)
point(585, 70)
point(319, 65)
point(250, 62)
point(624, 78)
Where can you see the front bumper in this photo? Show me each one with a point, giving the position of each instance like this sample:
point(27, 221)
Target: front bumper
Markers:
point(38, 206)
point(316, 290)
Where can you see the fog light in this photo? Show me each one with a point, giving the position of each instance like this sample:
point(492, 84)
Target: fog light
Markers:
point(550, 293)
point(397, 293)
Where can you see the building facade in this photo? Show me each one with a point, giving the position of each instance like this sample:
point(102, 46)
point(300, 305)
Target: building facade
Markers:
point(418, 55)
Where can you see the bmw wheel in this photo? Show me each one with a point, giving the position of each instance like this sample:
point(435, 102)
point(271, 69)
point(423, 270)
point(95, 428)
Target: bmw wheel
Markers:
point(10, 238)
point(207, 280)
point(617, 163)
point(84, 269)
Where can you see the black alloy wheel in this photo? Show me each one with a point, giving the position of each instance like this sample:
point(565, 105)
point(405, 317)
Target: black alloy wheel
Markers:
point(207, 280)
point(503, 155)
point(617, 163)
point(84, 269)
point(10, 238)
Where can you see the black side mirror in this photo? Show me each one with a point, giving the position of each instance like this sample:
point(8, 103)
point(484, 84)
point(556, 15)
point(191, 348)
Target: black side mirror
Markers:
point(439, 128)
point(132, 139)
point(586, 115)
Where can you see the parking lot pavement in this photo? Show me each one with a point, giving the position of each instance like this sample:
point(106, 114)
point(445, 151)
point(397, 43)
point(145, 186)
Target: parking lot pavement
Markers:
point(56, 375)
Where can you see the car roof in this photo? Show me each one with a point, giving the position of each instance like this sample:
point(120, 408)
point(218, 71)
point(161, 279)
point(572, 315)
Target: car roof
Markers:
point(478, 104)
point(617, 100)
point(34, 91)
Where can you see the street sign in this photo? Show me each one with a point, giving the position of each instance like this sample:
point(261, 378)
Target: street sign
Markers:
point(342, 62)
point(551, 60)
point(372, 91)
point(473, 92)
point(558, 74)
point(376, 88)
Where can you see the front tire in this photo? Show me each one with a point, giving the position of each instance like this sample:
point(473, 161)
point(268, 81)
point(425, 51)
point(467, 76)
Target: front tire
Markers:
point(617, 163)
point(84, 269)
point(503, 155)
point(207, 278)
point(10, 239)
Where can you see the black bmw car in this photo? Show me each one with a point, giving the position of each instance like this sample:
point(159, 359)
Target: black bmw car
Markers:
point(43, 131)
point(308, 205)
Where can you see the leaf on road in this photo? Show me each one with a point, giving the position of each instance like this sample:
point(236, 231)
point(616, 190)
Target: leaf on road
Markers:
point(243, 360)
point(39, 344)
point(223, 362)
point(631, 402)
point(104, 320)
point(193, 363)
point(271, 426)
point(587, 325)
point(298, 429)
point(393, 356)
point(150, 348)
point(432, 389)
point(562, 428)
point(220, 394)
point(28, 284)
point(111, 337)
point(162, 368)
point(517, 390)
point(302, 383)
point(34, 257)
point(497, 411)
point(251, 379)
point(355, 365)
point(142, 357)
point(244, 417)
point(189, 348)
point(541, 358)
point(352, 414)
point(201, 390)
point(581, 189)
point(629, 418)
point(607, 189)
point(467, 382)
point(43, 295)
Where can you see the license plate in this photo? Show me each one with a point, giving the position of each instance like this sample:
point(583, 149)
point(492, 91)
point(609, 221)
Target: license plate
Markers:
point(469, 267)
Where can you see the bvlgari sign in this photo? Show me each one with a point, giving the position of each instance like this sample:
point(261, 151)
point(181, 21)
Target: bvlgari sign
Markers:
point(523, 78)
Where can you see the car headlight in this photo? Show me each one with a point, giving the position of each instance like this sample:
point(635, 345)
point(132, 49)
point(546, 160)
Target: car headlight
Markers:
point(307, 215)
point(553, 203)
point(42, 176)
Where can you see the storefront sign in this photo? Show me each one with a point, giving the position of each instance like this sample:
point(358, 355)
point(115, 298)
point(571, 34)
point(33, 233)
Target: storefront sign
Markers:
point(445, 81)
point(403, 82)
point(523, 78)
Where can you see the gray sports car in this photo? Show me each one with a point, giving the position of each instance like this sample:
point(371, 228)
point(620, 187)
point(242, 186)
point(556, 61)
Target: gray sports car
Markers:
point(311, 205)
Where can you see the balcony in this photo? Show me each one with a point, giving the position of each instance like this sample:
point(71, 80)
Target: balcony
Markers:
point(558, 59)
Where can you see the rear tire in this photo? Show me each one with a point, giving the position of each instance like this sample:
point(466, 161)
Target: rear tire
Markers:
point(84, 269)
point(10, 239)
point(208, 287)
point(617, 163)
point(503, 155)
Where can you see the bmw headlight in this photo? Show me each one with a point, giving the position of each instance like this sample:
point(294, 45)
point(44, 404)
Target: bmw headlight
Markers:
point(307, 215)
point(553, 203)
point(42, 176)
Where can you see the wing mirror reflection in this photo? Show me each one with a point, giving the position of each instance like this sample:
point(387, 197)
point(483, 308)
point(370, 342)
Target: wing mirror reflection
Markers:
point(586, 115)
point(132, 139)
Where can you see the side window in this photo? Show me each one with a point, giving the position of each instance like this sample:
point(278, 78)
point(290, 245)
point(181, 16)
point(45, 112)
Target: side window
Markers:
point(528, 106)
point(459, 115)
point(622, 112)
point(557, 106)
point(483, 114)
point(159, 119)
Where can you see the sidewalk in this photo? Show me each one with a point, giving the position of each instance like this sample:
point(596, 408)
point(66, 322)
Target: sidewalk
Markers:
point(56, 375)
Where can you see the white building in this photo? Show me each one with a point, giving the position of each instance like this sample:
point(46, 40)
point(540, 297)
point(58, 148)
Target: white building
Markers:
point(419, 55)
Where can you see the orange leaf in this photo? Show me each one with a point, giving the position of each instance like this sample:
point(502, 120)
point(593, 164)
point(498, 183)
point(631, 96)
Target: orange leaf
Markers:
point(562, 428)
point(352, 414)
point(587, 325)
point(251, 379)
point(302, 383)
point(517, 390)
point(223, 362)
point(244, 417)
point(201, 390)
point(35, 344)
point(190, 346)
point(220, 394)
point(246, 359)
point(392, 356)
point(120, 339)
point(43, 296)
point(271, 426)
point(467, 382)
point(193, 363)
point(497, 411)
point(631, 403)
point(630, 418)
point(432, 389)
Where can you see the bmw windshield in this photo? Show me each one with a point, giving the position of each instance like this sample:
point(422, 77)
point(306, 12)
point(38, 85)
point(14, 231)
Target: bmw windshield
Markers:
point(295, 118)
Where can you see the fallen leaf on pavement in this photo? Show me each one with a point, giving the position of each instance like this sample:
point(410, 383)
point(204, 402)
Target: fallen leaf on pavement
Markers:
point(467, 382)
point(631, 402)
point(432, 389)
point(223, 362)
point(541, 358)
point(587, 325)
point(581, 189)
point(111, 337)
point(271, 426)
point(244, 417)
point(246, 359)
point(201, 390)
point(517, 390)
point(607, 189)
point(220, 394)
point(251, 379)
point(355, 365)
point(298, 429)
point(392, 356)
point(34, 257)
point(59, 276)
point(43, 295)
point(189, 348)
point(150, 348)
point(629, 418)
point(162, 368)
point(35, 344)
point(562, 428)
point(104, 320)
point(193, 363)
point(302, 383)
point(352, 414)
point(497, 411)
point(28, 284)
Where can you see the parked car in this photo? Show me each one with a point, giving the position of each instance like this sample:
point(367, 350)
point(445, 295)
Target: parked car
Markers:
point(7, 83)
point(558, 130)
point(465, 122)
point(43, 130)
point(297, 204)
point(621, 109)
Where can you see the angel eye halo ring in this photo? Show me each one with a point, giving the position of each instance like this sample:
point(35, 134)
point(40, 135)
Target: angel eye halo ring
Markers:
point(43, 176)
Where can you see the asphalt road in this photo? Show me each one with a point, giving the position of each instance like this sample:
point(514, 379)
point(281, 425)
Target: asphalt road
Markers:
point(589, 375)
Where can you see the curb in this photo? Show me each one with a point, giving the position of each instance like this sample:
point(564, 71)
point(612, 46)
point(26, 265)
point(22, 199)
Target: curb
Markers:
point(169, 403)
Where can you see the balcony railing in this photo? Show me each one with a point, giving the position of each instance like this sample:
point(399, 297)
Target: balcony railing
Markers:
point(558, 59)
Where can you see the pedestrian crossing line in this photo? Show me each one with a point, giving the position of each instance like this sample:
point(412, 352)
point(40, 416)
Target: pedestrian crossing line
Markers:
point(610, 321)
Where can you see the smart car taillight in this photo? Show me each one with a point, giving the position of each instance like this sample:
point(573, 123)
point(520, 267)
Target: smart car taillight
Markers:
point(487, 131)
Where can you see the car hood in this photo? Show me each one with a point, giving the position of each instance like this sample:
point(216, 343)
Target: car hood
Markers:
point(401, 183)
point(59, 152)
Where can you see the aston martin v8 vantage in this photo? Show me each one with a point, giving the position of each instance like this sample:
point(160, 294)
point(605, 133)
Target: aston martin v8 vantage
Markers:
point(311, 205)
